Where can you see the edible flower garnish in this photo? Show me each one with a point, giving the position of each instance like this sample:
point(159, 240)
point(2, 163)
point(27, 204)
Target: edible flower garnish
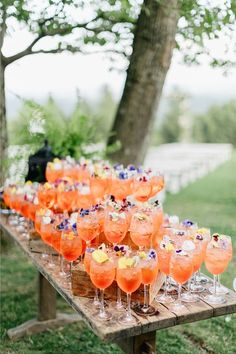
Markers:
point(125, 262)
point(188, 245)
point(152, 254)
point(187, 223)
point(181, 252)
point(140, 216)
point(99, 256)
point(121, 250)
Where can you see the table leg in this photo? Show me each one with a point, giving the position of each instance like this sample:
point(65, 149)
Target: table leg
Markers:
point(47, 317)
point(142, 344)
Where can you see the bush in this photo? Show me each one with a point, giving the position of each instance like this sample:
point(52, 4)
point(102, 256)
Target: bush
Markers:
point(218, 125)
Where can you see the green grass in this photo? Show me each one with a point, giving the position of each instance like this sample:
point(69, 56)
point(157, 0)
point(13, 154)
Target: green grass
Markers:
point(211, 202)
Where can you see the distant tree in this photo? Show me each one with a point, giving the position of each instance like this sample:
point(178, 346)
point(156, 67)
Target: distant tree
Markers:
point(185, 25)
point(217, 125)
point(76, 26)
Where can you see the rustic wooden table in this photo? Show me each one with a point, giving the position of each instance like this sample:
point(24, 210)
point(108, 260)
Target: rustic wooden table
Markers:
point(132, 339)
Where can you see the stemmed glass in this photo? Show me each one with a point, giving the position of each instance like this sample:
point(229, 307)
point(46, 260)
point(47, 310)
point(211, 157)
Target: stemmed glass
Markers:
point(149, 266)
point(87, 261)
point(129, 279)
point(71, 246)
point(165, 251)
point(88, 225)
point(181, 269)
point(142, 228)
point(102, 275)
point(218, 254)
point(115, 225)
point(196, 250)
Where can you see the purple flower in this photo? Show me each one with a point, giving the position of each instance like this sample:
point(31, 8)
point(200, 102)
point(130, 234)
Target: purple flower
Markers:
point(187, 223)
point(199, 237)
point(84, 212)
point(123, 175)
point(74, 227)
point(178, 251)
point(152, 254)
point(116, 248)
point(131, 168)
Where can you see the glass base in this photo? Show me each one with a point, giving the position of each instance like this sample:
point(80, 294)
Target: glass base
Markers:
point(118, 306)
point(149, 311)
point(188, 297)
point(127, 320)
point(214, 299)
point(202, 279)
point(197, 288)
point(164, 298)
point(220, 290)
point(103, 316)
point(94, 303)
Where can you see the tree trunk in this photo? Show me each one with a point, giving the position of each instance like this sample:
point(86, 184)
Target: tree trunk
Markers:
point(154, 42)
point(3, 122)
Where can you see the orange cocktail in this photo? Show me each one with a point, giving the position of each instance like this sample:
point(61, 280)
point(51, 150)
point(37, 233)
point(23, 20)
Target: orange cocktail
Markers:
point(181, 269)
point(142, 188)
point(218, 255)
point(142, 229)
point(102, 275)
point(115, 226)
point(149, 267)
point(129, 279)
point(88, 226)
point(70, 245)
point(47, 195)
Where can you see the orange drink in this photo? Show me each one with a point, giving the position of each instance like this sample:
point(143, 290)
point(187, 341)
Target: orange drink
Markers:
point(142, 229)
point(129, 279)
point(158, 183)
point(102, 275)
point(181, 269)
point(115, 226)
point(142, 188)
point(70, 246)
point(218, 255)
point(47, 195)
point(88, 225)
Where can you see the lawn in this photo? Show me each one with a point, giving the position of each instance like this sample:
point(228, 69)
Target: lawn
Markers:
point(211, 202)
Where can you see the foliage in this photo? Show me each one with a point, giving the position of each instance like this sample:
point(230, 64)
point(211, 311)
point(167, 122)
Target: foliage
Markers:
point(170, 130)
point(218, 125)
point(108, 25)
point(66, 135)
point(216, 335)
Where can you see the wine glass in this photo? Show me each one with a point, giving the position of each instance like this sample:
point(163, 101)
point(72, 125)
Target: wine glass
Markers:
point(129, 279)
point(165, 251)
point(115, 225)
point(218, 254)
point(88, 225)
point(87, 260)
point(142, 228)
point(102, 275)
point(71, 246)
point(181, 269)
point(149, 267)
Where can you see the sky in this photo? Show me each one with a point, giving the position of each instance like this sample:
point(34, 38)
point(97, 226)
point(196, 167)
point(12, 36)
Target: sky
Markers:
point(60, 75)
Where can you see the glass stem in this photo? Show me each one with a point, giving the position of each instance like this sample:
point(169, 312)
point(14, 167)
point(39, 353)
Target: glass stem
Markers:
point(96, 299)
point(195, 277)
point(146, 296)
point(129, 305)
point(179, 292)
point(189, 286)
point(218, 280)
point(214, 285)
point(102, 307)
point(118, 294)
point(166, 285)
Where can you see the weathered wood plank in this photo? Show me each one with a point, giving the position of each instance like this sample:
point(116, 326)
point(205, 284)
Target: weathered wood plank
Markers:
point(46, 300)
point(112, 330)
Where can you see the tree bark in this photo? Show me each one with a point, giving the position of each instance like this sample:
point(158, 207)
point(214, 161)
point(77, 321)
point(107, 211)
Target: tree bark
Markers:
point(3, 121)
point(154, 41)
